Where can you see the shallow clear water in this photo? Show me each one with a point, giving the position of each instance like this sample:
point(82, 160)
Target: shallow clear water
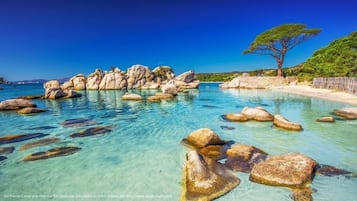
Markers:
point(142, 158)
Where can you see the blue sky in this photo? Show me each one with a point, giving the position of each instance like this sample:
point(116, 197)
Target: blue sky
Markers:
point(59, 38)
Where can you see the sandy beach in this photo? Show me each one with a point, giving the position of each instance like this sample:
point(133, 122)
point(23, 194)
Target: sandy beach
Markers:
point(326, 94)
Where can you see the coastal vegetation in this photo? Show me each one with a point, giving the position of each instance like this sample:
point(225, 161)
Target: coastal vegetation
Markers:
point(277, 41)
point(338, 59)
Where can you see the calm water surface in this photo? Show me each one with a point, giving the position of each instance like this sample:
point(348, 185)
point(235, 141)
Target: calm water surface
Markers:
point(142, 158)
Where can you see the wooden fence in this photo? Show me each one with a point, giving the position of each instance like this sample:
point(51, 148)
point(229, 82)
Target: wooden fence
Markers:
point(346, 84)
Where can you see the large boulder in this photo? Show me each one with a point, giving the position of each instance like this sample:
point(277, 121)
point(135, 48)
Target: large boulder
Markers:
point(202, 138)
point(79, 82)
point(347, 113)
point(257, 114)
point(257, 82)
point(242, 157)
point(163, 72)
point(205, 179)
point(15, 104)
point(114, 79)
point(281, 122)
point(188, 76)
point(138, 75)
point(235, 117)
point(291, 170)
point(94, 79)
point(53, 90)
point(169, 88)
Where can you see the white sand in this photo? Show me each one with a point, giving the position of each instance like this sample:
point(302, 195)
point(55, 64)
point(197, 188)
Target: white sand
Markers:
point(326, 94)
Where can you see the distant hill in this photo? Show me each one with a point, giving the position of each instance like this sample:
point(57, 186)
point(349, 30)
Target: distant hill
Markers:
point(39, 81)
point(2, 80)
point(337, 59)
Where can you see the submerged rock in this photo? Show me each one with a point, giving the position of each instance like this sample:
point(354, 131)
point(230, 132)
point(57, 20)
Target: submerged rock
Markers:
point(304, 194)
point(290, 170)
point(6, 150)
point(347, 113)
point(242, 157)
point(78, 122)
point(31, 97)
point(55, 152)
point(327, 170)
point(133, 97)
point(205, 179)
point(15, 104)
point(227, 128)
point(281, 122)
point(202, 138)
point(93, 131)
point(3, 158)
point(18, 138)
point(30, 110)
point(41, 128)
point(326, 119)
point(257, 114)
point(215, 152)
point(37, 143)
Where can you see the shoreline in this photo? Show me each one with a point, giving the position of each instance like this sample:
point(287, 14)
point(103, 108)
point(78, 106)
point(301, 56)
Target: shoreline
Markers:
point(326, 94)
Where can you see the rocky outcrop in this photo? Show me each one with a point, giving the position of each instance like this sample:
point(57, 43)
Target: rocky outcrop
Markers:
point(55, 152)
point(347, 113)
point(15, 104)
point(257, 82)
point(242, 157)
point(291, 170)
point(30, 110)
point(281, 122)
point(326, 119)
point(202, 138)
point(163, 73)
point(188, 76)
point(114, 79)
point(257, 114)
point(53, 90)
point(138, 75)
point(38, 143)
point(205, 179)
point(94, 79)
point(133, 97)
point(169, 88)
point(79, 82)
point(304, 194)
point(235, 117)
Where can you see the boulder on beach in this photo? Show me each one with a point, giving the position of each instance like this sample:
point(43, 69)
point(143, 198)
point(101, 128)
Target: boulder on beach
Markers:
point(21, 137)
point(30, 110)
point(242, 157)
point(281, 122)
point(55, 152)
point(94, 79)
point(290, 170)
point(326, 119)
point(99, 130)
point(257, 114)
point(131, 96)
point(235, 117)
point(42, 142)
point(347, 113)
point(15, 104)
point(202, 138)
point(6, 150)
point(205, 179)
point(114, 79)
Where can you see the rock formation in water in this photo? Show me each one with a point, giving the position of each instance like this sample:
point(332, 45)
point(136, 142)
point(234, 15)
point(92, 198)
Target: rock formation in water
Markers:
point(16, 104)
point(136, 77)
point(282, 122)
point(205, 179)
point(347, 113)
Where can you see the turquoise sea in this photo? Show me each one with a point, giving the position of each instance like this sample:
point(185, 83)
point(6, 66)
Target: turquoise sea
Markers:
point(142, 158)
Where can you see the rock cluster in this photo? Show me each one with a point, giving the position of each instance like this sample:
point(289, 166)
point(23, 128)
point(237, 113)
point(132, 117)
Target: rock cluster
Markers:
point(53, 90)
point(136, 77)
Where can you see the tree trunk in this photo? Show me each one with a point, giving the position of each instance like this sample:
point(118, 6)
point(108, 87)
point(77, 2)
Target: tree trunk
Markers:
point(280, 68)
